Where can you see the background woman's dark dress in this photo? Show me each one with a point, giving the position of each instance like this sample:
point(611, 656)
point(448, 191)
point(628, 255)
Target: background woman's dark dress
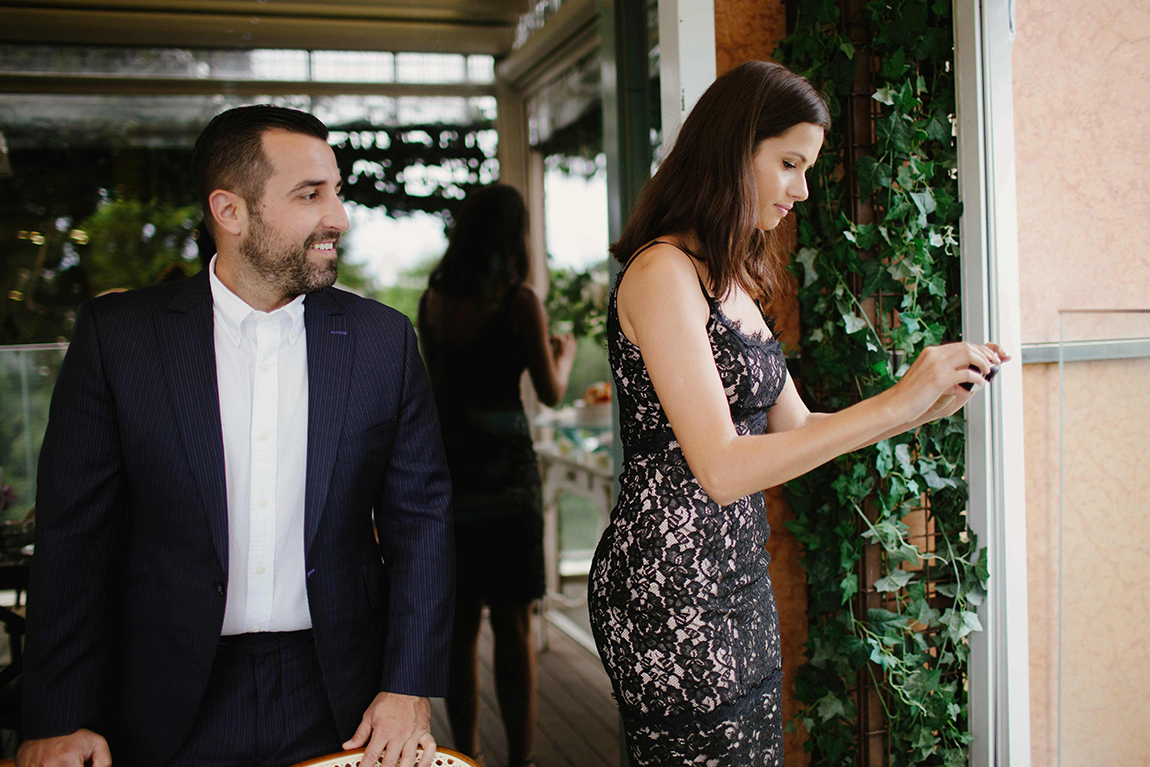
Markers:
point(494, 473)
point(680, 598)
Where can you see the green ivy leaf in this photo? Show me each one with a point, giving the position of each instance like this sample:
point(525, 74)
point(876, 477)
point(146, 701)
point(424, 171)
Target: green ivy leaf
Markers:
point(830, 707)
point(871, 175)
point(976, 594)
point(853, 323)
point(849, 586)
point(806, 257)
point(893, 582)
point(927, 615)
point(959, 623)
point(935, 482)
point(895, 130)
point(902, 455)
point(907, 552)
point(924, 201)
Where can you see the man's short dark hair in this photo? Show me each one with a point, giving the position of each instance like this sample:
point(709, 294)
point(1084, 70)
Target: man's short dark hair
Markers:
point(229, 151)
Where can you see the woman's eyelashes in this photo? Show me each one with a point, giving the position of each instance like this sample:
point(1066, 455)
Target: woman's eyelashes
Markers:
point(788, 165)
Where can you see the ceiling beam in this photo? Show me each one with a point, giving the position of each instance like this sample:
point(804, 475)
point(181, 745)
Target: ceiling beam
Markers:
point(572, 25)
point(502, 12)
point(170, 86)
point(203, 30)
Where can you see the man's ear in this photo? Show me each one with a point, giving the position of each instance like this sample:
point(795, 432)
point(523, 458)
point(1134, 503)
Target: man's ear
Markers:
point(229, 211)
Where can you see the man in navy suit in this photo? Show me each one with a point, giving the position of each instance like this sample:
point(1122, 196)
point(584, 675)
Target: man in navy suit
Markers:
point(207, 587)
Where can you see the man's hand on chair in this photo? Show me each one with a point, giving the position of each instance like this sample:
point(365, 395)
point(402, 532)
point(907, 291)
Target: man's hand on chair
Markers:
point(394, 726)
point(76, 750)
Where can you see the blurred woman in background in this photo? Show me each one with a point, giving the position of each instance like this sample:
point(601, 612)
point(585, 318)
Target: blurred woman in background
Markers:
point(480, 327)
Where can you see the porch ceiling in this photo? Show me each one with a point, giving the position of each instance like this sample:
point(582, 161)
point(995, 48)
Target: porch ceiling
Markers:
point(447, 26)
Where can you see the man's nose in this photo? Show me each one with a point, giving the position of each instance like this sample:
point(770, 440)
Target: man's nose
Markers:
point(336, 217)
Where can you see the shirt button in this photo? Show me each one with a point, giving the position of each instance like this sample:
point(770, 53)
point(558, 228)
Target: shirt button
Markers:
point(263, 502)
point(261, 570)
point(263, 435)
point(266, 367)
point(235, 335)
point(256, 629)
point(293, 335)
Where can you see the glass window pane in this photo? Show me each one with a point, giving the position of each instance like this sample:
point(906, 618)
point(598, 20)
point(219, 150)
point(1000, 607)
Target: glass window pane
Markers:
point(430, 68)
point(353, 66)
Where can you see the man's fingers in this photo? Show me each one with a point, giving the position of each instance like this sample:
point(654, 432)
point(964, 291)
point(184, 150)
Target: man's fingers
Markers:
point(428, 744)
point(101, 756)
point(408, 753)
point(375, 749)
point(392, 750)
point(359, 738)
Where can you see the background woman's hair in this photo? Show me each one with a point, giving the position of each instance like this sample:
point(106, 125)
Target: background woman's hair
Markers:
point(488, 245)
point(706, 185)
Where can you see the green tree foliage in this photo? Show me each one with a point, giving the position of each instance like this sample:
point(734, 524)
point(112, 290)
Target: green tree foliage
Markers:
point(128, 243)
point(915, 648)
point(141, 206)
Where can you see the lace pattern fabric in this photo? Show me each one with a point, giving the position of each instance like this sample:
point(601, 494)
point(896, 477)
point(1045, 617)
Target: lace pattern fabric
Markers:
point(680, 596)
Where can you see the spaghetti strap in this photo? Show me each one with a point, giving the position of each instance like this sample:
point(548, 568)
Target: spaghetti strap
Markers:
point(699, 277)
point(636, 254)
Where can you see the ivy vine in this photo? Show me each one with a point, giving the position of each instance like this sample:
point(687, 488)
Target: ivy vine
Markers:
point(872, 296)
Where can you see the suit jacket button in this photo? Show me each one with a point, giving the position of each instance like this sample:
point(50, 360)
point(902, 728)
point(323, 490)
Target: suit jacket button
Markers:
point(220, 589)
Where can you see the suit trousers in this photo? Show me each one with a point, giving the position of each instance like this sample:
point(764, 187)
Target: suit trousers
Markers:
point(265, 706)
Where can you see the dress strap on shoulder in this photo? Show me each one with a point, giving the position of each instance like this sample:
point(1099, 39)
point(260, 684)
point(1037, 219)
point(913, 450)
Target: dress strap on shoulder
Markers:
point(702, 285)
point(638, 252)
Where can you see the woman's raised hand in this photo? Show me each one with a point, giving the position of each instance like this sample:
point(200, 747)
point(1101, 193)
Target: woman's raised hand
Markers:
point(563, 346)
point(932, 386)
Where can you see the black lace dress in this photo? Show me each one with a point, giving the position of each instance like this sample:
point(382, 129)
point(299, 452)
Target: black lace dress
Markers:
point(681, 602)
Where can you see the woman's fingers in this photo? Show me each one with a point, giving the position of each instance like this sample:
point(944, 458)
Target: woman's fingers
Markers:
point(999, 352)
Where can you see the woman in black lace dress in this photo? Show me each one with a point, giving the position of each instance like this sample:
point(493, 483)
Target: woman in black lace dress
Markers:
point(680, 596)
point(480, 327)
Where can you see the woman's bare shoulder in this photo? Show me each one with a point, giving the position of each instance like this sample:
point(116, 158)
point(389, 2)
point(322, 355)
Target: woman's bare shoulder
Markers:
point(662, 268)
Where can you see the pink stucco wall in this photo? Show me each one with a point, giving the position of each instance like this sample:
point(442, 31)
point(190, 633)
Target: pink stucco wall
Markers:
point(1082, 143)
point(1082, 133)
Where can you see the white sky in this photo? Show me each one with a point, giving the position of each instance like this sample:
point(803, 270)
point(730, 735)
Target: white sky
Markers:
point(576, 220)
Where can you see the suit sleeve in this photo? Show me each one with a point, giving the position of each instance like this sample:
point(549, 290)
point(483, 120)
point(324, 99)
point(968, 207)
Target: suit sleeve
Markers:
point(79, 502)
point(413, 515)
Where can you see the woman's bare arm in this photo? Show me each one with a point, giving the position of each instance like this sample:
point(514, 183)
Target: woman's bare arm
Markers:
point(663, 311)
point(790, 412)
point(549, 358)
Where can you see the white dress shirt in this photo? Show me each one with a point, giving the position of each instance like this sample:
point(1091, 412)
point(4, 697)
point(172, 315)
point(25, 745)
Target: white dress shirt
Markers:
point(261, 371)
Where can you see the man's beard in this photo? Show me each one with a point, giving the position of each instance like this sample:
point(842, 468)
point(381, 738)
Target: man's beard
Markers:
point(284, 265)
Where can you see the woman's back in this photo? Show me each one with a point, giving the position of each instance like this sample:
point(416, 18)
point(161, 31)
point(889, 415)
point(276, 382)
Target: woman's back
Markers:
point(475, 352)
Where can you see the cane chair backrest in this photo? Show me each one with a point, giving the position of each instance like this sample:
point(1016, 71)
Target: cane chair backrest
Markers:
point(444, 757)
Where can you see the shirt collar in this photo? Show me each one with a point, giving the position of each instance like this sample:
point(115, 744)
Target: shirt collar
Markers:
point(231, 310)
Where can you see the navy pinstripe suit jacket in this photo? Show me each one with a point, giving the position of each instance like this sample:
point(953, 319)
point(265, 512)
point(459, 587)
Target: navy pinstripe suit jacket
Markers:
point(129, 579)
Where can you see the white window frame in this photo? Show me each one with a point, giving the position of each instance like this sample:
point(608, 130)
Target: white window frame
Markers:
point(999, 685)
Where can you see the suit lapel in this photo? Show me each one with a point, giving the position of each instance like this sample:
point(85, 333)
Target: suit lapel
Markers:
point(329, 353)
point(187, 347)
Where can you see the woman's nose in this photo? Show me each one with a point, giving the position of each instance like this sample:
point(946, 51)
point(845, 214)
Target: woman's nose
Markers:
point(799, 190)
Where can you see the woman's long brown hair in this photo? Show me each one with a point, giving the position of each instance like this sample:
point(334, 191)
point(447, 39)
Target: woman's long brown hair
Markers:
point(706, 185)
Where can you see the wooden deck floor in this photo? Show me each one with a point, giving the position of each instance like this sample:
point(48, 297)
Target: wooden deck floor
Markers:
point(578, 723)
